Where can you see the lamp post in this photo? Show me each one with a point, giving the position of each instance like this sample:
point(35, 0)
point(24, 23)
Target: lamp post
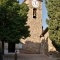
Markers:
point(16, 55)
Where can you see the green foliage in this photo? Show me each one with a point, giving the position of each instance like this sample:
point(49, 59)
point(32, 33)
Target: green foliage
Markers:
point(13, 17)
point(53, 8)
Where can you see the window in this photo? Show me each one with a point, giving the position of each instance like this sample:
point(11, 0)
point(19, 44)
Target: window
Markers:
point(34, 13)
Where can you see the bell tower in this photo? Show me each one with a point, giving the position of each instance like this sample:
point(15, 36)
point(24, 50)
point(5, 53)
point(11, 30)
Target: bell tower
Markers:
point(32, 43)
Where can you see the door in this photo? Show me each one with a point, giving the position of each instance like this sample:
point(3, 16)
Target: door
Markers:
point(11, 47)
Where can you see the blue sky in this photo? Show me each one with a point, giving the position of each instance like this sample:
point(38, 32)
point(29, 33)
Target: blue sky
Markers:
point(44, 14)
point(21, 1)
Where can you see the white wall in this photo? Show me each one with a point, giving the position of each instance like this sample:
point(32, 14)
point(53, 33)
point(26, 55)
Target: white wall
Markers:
point(17, 47)
point(5, 48)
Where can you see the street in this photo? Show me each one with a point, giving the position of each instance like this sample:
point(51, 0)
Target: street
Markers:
point(27, 57)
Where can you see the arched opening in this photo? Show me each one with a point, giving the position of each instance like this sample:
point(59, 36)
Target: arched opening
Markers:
point(34, 12)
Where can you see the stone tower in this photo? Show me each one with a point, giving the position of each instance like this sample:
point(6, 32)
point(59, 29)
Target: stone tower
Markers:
point(32, 43)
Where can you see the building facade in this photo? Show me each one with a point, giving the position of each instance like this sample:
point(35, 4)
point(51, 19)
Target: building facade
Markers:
point(34, 21)
point(38, 42)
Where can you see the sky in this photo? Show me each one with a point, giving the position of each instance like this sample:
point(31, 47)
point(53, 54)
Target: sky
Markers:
point(44, 14)
point(21, 1)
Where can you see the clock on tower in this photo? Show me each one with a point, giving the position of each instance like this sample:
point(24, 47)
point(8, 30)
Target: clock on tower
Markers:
point(34, 21)
point(35, 3)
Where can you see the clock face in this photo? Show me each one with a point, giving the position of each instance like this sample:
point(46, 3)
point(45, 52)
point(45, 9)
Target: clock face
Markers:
point(35, 3)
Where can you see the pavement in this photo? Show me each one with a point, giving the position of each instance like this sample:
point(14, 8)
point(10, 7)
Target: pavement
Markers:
point(27, 57)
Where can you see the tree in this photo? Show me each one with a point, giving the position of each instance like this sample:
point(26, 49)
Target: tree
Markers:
point(13, 17)
point(53, 21)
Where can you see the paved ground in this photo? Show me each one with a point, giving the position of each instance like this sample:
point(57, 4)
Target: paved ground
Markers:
point(27, 57)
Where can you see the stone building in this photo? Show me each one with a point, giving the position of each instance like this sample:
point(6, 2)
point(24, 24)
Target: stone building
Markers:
point(46, 43)
point(32, 43)
point(38, 41)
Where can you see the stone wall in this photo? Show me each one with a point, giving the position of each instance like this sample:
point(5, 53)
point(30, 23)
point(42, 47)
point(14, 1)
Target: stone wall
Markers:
point(44, 46)
point(49, 46)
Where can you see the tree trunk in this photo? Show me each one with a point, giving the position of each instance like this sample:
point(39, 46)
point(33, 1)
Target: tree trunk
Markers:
point(3, 47)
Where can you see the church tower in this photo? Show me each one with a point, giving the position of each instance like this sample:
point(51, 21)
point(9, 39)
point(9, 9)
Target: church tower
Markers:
point(32, 43)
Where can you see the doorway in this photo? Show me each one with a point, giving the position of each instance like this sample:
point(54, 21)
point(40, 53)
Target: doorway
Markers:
point(11, 47)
